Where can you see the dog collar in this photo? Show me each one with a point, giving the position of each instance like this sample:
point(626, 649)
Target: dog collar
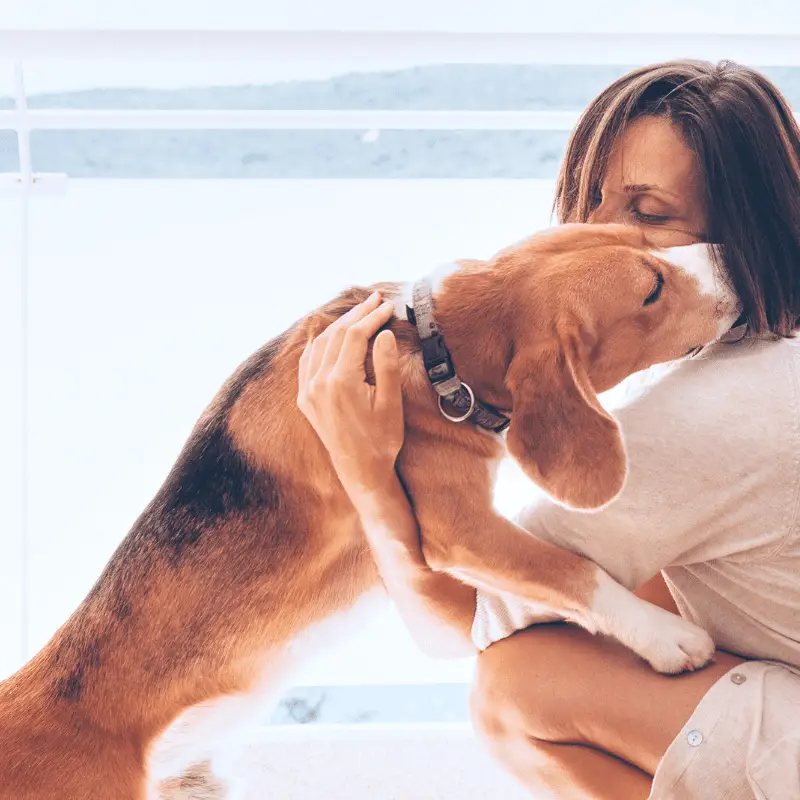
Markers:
point(440, 369)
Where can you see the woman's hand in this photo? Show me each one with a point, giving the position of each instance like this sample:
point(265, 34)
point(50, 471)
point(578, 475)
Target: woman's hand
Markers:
point(360, 425)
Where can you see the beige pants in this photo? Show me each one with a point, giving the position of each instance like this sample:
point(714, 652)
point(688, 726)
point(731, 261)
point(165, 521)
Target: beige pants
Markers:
point(742, 742)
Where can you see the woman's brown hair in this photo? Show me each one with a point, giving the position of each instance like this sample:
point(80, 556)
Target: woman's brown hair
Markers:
point(747, 143)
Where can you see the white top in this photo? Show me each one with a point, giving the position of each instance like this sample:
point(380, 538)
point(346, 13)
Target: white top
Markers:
point(711, 499)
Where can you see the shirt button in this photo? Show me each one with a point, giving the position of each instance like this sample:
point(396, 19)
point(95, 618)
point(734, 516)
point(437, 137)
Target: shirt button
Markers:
point(695, 738)
point(738, 678)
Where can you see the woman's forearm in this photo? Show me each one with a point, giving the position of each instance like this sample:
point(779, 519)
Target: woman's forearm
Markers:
point(437, 609)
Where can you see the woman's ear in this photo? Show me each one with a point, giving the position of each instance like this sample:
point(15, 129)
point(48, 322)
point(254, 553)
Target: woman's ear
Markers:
point(560, 435)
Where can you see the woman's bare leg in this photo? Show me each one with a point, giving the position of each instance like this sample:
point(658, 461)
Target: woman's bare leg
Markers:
point(580, 714)
point(655, 591)
point(566, 771)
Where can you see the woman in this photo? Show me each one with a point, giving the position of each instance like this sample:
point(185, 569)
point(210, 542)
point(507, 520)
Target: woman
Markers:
point(707, 525)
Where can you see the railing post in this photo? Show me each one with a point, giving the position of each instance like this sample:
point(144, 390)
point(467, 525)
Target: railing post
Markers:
point(13, 413)
point(26, 173)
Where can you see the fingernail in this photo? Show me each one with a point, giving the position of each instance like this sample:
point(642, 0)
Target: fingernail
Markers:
point(374, 296)
point(386, 342)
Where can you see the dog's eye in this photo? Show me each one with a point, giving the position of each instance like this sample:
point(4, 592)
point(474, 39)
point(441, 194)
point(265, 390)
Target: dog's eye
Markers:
point(656, 293)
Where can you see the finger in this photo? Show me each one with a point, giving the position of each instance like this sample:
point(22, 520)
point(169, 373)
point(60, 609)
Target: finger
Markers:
point(316, 354)
point(388, 395)
point(332, 350)
point(330, 340)
point(357, 313)
point(354, 348)
point(302, 365)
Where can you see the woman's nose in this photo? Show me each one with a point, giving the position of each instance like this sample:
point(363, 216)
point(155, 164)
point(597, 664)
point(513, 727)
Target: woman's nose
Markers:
point(605, 214)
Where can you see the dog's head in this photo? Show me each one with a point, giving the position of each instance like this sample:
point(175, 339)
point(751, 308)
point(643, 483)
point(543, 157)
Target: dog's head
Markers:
point(593, 304)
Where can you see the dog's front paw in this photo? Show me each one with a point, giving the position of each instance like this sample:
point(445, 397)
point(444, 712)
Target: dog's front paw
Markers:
point(667, 642)
point(674, 644)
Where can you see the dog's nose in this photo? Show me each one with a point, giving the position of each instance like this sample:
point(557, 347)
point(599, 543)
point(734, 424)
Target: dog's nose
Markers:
point(729, 309)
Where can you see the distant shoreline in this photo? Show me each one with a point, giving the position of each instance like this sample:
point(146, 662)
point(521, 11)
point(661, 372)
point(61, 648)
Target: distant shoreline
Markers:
point(333, 154)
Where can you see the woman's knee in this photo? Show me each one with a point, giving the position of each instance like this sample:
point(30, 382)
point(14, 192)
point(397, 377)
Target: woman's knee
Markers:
point(515, 693)
point(488, 701)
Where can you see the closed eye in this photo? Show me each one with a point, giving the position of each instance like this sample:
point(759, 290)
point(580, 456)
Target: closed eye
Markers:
point(656, 293)
point(649, 219)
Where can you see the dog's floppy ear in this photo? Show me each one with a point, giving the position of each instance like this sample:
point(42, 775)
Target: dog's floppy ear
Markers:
point(560, 434)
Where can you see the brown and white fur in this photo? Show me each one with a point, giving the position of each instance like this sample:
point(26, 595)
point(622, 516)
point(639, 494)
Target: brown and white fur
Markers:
point(251, 546)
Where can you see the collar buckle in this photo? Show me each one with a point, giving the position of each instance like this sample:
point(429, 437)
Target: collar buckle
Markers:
point(438, 363)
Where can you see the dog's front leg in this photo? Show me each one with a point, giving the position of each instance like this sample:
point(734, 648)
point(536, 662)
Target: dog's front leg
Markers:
point(490, 552)
point(463, 535)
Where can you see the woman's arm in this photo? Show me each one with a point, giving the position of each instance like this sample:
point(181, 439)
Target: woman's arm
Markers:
point(362, 428)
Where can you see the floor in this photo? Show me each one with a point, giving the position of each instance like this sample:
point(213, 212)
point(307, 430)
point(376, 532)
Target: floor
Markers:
point(385, 766)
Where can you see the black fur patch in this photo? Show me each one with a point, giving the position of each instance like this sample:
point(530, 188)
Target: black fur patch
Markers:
point(71, 688)
point(212, 478)
point(211, 481)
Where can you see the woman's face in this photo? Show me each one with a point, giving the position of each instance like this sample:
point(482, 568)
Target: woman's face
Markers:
point(653, 181)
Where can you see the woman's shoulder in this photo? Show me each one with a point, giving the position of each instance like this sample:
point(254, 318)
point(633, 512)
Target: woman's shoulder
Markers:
point(745, 392)
point(721, 431)
point(756, 371)
point(753, 348)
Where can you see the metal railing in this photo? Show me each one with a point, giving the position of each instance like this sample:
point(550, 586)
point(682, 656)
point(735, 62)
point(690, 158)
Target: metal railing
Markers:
point(357, 47)
point(217, 119)
point(410, 46)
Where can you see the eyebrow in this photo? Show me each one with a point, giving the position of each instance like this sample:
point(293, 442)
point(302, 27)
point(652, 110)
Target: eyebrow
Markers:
point(646, 187)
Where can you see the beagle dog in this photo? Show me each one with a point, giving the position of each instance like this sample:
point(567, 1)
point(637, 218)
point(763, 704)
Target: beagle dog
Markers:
point(251, 544)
